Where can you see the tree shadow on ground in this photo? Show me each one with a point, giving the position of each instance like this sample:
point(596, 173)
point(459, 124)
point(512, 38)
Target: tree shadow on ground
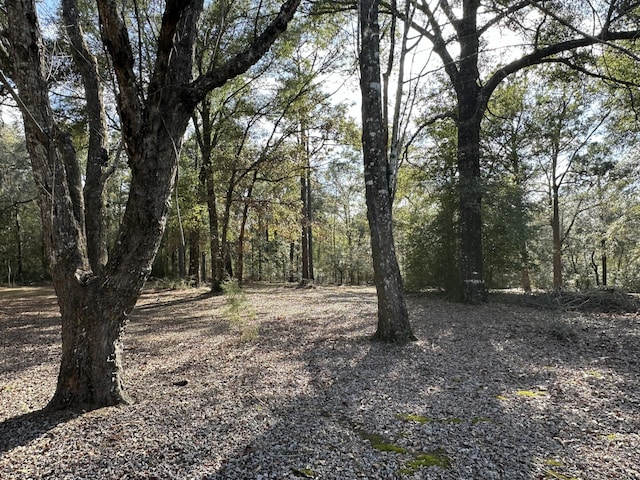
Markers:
point(414, 399)
point(30, 328)
point(21, 430)
point(474, 389)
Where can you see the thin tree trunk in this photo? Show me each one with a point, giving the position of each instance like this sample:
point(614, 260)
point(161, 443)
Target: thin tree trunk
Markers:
point(393, 319)
point(214, 229)
point(194, 255)
point(243, 226)
point(557, 240)
point(206, 143)
point(309, 225)
point(18, 239)
point(604, 263)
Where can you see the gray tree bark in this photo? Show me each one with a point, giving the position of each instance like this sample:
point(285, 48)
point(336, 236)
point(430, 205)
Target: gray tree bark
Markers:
point(393, 319)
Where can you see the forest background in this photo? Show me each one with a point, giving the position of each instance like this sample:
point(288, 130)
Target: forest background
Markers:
point(283, 153)
point(270, 172)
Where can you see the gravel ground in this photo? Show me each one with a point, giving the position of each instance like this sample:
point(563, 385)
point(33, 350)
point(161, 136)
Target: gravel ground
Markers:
point(284, 383)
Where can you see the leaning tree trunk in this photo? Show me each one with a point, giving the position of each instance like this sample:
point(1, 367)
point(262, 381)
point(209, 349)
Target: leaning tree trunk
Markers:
point(393, 319)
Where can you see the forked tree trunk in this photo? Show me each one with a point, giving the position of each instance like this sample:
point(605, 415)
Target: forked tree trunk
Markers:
point(95, 303)
point(393, 319)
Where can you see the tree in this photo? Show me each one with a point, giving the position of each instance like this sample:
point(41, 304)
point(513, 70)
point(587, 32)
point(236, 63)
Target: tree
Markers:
point(154, 112)
point(427, 210)
point(508, 142)
point(393, 319)
point(553, 32)
point(564, 129)
point(20, 235)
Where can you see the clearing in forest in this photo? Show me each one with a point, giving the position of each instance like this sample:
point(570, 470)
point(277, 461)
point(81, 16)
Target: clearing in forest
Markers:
point(277, 382)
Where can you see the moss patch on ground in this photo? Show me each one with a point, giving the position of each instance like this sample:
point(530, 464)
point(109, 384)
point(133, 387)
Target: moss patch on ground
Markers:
point(435, 458)
point(381, 443)
point(408, 417)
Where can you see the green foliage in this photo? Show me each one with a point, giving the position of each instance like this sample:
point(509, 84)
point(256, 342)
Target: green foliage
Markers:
point(426, 214)
point(435, 458)
point(238, 311)
point(21, 249)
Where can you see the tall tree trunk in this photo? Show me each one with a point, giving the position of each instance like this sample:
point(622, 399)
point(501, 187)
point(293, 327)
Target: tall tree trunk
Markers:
point(292, 247)
point(18, 239)
point(306, 237)
point(225, 254)
point(194, 255)
point(470, 221)
point(206, 143)
point(557, 239)
point(214, 229)
point(470, 111)
point(307, 215)
point(393, 319)
point(243, 226)
point(603, 243)
point(309, 224)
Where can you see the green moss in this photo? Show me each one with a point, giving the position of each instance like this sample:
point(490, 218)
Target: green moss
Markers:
point(381, 443)
point(389, 447)
point(477, 420)
point(531, 393)
point(549, 473)
point(408, 417)
point(303, 472)
point(552, 462)
point(435, 458)
point(453, 420)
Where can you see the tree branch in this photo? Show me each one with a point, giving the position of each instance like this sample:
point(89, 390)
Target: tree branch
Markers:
point(216, 77)
point(116, 39)
point(541, 55)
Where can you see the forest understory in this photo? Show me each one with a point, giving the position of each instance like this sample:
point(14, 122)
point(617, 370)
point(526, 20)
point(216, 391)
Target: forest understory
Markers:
point(275, 382)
